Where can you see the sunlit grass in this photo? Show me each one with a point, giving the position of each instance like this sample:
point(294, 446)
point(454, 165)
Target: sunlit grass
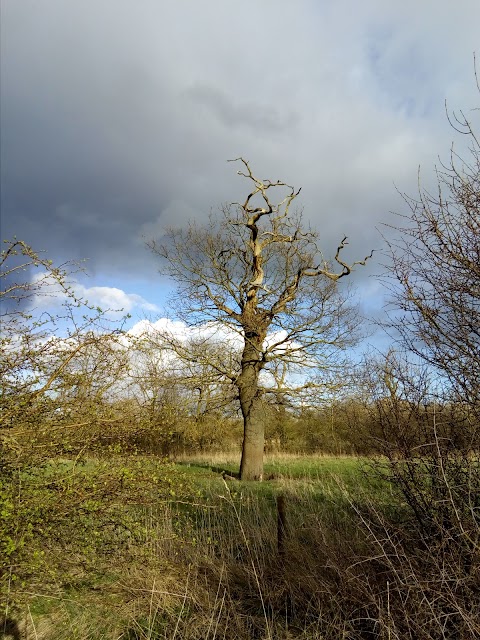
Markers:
point(182, 546)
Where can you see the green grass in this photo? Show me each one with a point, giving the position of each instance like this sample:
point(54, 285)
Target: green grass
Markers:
point(327, 475)
point(114, 544)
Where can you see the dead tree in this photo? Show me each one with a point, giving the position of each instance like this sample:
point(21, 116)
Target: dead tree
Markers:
point(258, 272)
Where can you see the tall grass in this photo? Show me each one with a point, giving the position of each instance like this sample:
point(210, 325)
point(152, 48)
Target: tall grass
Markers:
point(206, 564)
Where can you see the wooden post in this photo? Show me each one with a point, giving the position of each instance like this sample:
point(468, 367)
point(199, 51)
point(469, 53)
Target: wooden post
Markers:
point(281, 525)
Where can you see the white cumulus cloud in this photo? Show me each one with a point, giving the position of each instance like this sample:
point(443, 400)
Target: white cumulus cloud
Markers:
point(113, 301)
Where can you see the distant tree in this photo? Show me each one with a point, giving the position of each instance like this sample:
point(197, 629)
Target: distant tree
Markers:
point(257, 271)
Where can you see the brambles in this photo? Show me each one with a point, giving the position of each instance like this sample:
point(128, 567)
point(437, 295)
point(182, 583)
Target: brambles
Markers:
point(59, 361)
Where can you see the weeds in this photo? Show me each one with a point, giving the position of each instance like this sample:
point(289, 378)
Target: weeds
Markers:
point(204, 563)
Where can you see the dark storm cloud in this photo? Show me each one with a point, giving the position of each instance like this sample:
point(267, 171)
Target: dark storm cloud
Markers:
point(117, 116)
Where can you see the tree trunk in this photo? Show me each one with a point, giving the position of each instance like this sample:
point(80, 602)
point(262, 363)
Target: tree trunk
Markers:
point(251, 466)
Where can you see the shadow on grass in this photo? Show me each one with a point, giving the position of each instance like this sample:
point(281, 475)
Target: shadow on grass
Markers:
point(223, 471)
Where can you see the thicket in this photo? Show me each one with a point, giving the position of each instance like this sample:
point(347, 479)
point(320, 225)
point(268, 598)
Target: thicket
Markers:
point(424, 399)
point(60, 404)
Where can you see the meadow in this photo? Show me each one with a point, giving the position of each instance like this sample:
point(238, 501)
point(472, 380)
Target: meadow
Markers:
point(140, 548)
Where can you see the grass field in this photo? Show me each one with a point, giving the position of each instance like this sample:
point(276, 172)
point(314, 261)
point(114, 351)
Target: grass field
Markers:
point(136, 548)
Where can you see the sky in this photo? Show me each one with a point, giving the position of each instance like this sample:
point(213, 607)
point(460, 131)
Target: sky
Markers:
point(117, 118)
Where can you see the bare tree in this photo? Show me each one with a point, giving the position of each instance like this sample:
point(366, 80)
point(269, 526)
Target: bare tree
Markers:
point(257, 271)
point(434, 273)
point(424, 404)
